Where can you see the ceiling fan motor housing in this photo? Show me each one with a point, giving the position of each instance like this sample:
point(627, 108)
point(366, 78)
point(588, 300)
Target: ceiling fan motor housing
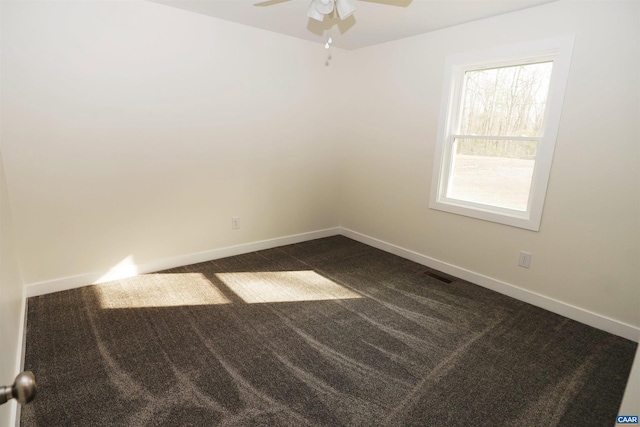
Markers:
point(318, 9)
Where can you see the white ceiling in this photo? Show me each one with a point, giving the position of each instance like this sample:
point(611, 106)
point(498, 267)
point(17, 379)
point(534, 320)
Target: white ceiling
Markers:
point(373, 21)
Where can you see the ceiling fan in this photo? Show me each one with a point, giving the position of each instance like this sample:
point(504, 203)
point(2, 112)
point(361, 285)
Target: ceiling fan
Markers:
point(318, 9)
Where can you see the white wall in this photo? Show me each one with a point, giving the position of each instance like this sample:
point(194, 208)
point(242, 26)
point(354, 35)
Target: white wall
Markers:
point(135, 131)
point(587, 252)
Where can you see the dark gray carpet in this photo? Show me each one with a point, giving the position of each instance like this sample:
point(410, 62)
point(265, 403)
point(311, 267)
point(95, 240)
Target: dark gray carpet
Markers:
point(329, 332)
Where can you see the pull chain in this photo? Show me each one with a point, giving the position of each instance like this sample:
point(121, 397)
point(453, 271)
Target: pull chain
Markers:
point(327, 46)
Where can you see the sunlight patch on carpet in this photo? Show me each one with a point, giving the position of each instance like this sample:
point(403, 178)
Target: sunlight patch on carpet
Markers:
point(284, 286)
point(160, 290)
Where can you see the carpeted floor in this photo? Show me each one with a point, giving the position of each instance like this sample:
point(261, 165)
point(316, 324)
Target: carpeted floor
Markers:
point(329, 332)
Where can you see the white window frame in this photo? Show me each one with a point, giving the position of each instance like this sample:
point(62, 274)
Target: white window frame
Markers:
point(559, 50)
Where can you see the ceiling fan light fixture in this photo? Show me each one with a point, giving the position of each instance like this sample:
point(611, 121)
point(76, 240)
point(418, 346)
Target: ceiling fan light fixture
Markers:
point(325, 7)
point(313, 13)
point(345, 8)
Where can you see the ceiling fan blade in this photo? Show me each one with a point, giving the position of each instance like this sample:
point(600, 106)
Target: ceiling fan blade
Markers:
point(269, 3)
point(345, 8)
point(399, 3)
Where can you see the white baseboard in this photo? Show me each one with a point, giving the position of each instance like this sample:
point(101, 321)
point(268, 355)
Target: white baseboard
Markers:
point(572, 312)
point(72, 282)
point(567, 310)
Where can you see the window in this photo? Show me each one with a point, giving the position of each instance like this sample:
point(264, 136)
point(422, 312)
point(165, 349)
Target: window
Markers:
point(499, 119)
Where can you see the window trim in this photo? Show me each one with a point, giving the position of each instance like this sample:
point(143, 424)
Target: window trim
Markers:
point(559, 50)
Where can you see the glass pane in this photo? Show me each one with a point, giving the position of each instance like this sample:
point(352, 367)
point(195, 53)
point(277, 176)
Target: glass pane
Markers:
point(506, 101)
point(496, 173)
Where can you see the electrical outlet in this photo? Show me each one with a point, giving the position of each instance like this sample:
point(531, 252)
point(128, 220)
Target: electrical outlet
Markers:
point(525, 259)
point(235, 222)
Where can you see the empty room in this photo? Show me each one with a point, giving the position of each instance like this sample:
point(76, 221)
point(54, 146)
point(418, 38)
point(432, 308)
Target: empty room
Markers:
point(319, 212)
